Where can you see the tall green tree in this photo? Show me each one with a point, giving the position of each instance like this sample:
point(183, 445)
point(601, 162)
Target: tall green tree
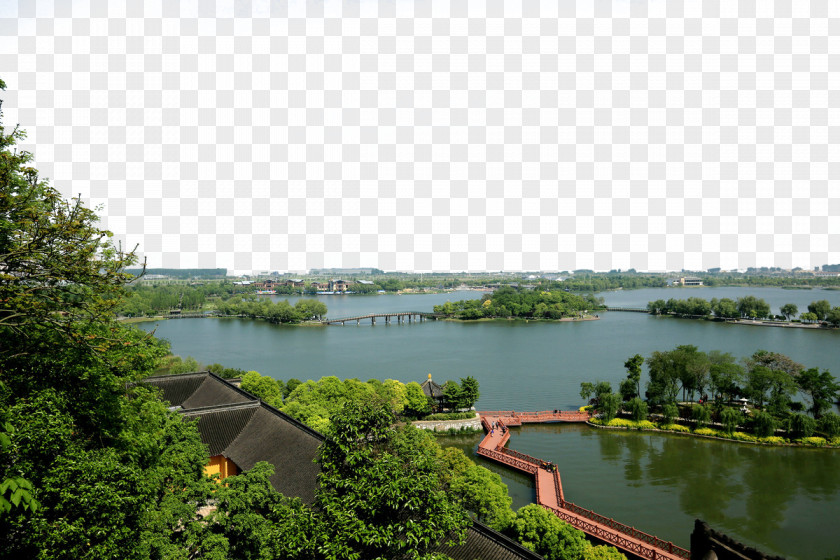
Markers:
point(469, 391)
point(377, 502)
point(102, 457)
point(633, 366)
point(821, 389)
point(819, 308)
point(789, 310)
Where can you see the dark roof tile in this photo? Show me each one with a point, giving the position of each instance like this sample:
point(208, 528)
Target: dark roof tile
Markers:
point(483, 543)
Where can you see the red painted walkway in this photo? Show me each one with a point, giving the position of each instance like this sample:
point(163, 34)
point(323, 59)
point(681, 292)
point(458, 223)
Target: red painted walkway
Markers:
point(550, 490)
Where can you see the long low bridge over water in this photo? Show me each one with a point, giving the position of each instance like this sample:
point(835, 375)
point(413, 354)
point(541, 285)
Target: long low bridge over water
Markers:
point(549, 488)
point(399, 316)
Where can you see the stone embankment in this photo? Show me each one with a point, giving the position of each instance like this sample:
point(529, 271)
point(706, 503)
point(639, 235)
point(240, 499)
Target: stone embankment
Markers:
point(446, 425)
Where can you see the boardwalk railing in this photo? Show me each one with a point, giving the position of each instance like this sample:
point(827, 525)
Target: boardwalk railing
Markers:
point(506, 459)
point(609, 530)
point(617, 534)
point(538, 417)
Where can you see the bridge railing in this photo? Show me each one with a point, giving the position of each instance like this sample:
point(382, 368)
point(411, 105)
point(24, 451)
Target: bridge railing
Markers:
point(558, 487)
point(506, 459)
point(369, 315)
point(547, 415)
point(652, 540)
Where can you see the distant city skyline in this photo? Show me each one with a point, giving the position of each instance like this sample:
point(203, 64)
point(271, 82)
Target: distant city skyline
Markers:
point(435, 136)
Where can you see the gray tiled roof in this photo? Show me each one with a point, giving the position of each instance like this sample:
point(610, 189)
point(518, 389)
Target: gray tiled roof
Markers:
point(195, 390)
point(432, 389)
point(483, 543)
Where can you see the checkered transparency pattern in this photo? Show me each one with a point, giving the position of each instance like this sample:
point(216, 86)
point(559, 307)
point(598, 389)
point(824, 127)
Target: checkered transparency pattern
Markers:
point(434, 135)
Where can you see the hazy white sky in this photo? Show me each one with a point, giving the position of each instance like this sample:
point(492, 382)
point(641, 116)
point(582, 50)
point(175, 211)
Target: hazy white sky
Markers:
point(435, 135)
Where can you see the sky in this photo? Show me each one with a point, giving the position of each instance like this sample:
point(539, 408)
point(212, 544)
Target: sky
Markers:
point(437, 135)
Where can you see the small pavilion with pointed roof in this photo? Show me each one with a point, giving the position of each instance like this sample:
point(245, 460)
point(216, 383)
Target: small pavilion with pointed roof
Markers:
point(434, 392)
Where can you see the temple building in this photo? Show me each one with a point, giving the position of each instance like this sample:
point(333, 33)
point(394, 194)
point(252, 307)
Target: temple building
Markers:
point(240, 430)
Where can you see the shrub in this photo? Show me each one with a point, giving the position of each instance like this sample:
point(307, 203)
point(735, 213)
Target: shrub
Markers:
point(816, 441)
point(803, 426)
point(608, 405)
point(669, 412)
point(706, 432)
point(638, 409)
point(775, 440)
point(450, 416)
point(675, 428)
point(741, 436)
point(625, 423)
point(764, 424)
point(701, 415)
point(829, 424)
point(729, 417)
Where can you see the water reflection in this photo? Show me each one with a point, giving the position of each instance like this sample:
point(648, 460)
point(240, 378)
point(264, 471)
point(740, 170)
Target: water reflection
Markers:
point(777, 499)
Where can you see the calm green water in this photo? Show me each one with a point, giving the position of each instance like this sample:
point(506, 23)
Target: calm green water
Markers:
point(781, 500)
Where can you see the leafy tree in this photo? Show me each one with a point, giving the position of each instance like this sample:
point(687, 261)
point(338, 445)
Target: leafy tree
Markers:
point(603, 552)
point(700, 414)
point(249, 514)
point(469, 391)
point(633, 366)
point(417, 403)
point(544, 533)
point(609, 405)
point(808, 317)
point(638, 409)
point(764, 424)
point(726, 308)
point(789, 310)
point(291, 385)
point(802, 425)
point(829, 424)
point(684, 367)
point(819, 308)
point(776, 361)
point(484, 494)
point(821, 389)
point(594, 392)
point(833, 317)
point(264, 387)
point(751, 306)
point(102, 456)
point(669, 413)
point(452, 394)
point(378, 503)
point(730, 418)
point(725, 375)
point(656, 307)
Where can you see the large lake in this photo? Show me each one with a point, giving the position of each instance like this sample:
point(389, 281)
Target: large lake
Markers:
point(786, 501)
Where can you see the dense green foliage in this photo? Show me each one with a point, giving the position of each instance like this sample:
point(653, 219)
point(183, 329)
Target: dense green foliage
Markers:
point(771, 381)
point(275, 312)
point(544, 533)
point(748, 307)
point(378, 497)
point(518, 302)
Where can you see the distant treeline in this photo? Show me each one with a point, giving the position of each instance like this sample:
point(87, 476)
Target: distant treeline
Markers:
point(748, 307)
point(518, 302)
point(275, 312)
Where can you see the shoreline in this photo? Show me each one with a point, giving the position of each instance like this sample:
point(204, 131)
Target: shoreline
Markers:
point(827, 445)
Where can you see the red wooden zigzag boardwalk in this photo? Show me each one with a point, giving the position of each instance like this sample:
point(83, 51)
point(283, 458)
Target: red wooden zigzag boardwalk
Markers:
point(550, 490)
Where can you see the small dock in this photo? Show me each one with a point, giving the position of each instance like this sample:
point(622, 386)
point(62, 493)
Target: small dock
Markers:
point(549, 488)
